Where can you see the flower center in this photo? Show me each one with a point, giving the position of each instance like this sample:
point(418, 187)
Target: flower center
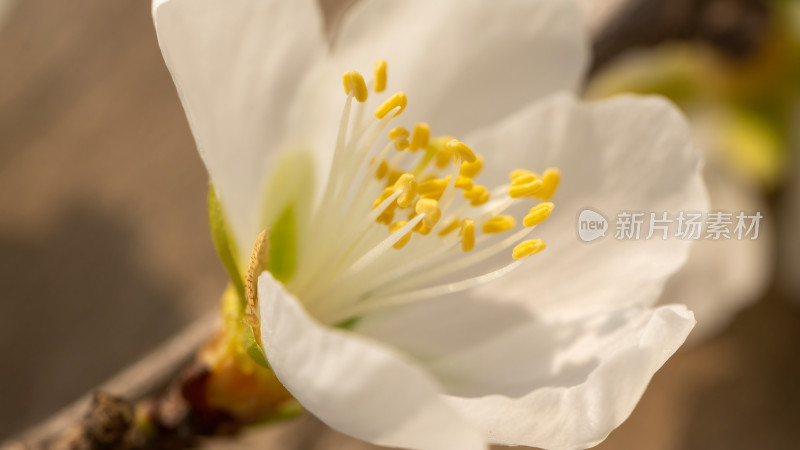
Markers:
point(406, 219)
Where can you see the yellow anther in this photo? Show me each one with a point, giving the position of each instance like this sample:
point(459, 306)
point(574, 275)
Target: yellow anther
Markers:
point(428, 177)
point(384, 195)
point(525, 178)
point(550, 179)
point(398, 100)
point(470, 169)
point(421, 136)
point(482, 199)
point(516, 173)
point(434, 186)
point(398, 134)
point(462, 150)
point(538, 214)
point(464, 183)
point(430, 209)
point(394, 175)
point(467, 235)
point(406, 237)
point(380, 76)
point(443, 154)
point(450, 227)
point(354, 85)
point(401, 145)
point(528, 248)
point(407, 184)
point(477, 196)
point(422, 229)
point(387, 215)
point(382, 170)
point(443, 158)
point(498, 224)
point(525, 189)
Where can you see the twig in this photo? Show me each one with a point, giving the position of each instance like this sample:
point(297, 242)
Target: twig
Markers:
point(151, 374)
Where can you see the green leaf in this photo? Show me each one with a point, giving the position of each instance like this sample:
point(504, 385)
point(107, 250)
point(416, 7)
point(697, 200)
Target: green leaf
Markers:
point(223, 243)
point(283, 246)
point(254, 350)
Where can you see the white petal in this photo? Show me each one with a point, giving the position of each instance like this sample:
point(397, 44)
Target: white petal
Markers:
point(564, 385)
point(462, 63)
point(722, 277)
point(433, 328)
point(353, 384)
point(625, 154)
point(237, 65)
point(467, 63)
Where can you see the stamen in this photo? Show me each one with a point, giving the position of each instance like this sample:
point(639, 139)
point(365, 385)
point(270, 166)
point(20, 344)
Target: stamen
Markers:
point(382, 170)
point(431, 292)
point(433, 188)
point(406, 184)
point(516, 173)
point(467, 235)
point(464, 183)
point(444, 155)
point(538, 214)
point(379, 249)
point(394, 175)
point(550, 180)
point(398, 133)
point(398, 100)
point(453, 225)
point(384, 195)
point(422, 133)
point(525, 186)
point(471, 169)
point(380, 76)
point(462, 150)
point(429, 208)
point(528, 248)
point(477, 196)
point(403, 240)
point(498, 224)
point(401, 145)
point(350, 262)
point(354, 85)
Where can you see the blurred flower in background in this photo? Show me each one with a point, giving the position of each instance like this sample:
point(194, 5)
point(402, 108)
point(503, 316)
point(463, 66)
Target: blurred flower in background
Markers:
point(743, 108)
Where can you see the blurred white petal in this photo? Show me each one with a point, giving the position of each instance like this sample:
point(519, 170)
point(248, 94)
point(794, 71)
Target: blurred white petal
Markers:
point(236, 65)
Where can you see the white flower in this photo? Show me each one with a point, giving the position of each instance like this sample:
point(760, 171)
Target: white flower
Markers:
point(554, 354)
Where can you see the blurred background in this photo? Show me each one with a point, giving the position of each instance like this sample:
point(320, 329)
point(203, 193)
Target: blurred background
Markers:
point(105, 250)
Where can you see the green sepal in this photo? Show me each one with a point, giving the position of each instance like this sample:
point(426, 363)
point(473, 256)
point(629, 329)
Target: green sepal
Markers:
point(224, 245)
point(254, 350)
point(283, 246)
